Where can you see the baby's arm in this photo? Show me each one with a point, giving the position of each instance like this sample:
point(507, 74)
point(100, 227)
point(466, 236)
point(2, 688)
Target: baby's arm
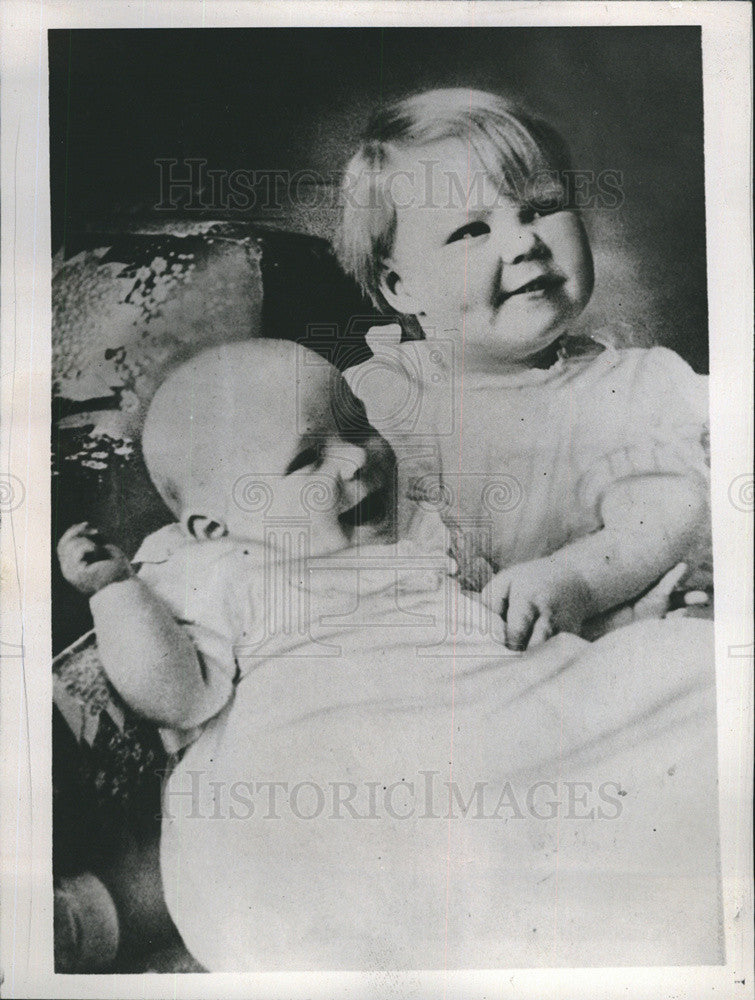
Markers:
point(149, 658)
point(649, 523)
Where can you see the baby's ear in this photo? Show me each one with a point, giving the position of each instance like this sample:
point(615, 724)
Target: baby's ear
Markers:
point(203, 528)
point(395, 292)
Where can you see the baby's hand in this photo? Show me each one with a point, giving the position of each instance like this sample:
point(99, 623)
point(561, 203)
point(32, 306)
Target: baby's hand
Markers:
point(88, 561)
point(536, 600)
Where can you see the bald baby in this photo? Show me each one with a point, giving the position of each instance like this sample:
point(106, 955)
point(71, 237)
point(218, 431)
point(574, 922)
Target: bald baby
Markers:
point(266, 430)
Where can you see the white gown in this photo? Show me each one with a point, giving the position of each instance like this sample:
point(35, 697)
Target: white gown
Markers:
point(440, 801)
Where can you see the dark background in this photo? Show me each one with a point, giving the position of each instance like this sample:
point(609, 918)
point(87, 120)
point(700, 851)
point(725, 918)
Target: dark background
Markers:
point(626, 99)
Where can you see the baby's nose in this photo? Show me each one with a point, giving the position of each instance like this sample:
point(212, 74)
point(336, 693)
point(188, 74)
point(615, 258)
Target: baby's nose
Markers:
point(515, 239)
point(346, 460)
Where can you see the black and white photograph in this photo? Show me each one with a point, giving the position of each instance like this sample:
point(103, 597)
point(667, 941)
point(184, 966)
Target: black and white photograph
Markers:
point(385, 618)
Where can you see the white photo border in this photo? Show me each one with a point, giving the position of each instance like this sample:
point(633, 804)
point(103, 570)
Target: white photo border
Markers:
point(25, 681)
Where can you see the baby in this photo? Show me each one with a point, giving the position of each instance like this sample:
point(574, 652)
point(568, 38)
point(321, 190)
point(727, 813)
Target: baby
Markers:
point(577, 480)
point(264, 483)
point(291, 645)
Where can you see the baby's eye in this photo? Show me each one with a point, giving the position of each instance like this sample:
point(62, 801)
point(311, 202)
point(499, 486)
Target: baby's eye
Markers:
point(306, 457)
point(537, 210)
point(469, 231)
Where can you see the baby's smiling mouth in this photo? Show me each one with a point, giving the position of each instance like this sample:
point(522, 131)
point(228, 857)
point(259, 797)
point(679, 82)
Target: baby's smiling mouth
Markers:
point(542, 283)
point(372, 510)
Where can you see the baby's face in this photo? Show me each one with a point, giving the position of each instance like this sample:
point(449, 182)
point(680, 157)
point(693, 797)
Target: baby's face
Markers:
point(322, 479)
point(473, 263)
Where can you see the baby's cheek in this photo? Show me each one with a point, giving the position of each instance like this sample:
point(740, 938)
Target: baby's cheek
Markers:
point(461, 300)
point(451, 289)
point(570, 239)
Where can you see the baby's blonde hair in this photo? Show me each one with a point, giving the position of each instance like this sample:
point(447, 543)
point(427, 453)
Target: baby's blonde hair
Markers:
point(512, 145)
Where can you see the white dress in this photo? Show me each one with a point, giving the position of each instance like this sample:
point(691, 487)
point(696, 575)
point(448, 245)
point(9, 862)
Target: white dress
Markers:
point(519, 463)
point(310, 824)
